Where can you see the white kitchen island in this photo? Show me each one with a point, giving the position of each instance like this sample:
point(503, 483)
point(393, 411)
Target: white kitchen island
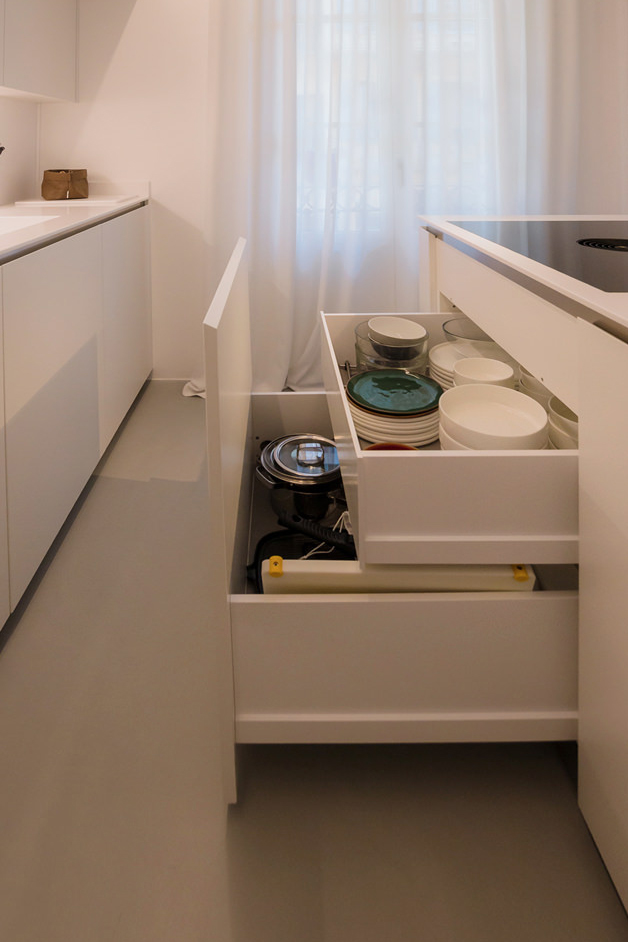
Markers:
point(573, 335)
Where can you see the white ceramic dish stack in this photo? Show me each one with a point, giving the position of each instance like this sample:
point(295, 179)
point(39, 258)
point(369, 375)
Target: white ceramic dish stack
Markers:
point(394, 406)
point(415, 430)
point(562, 425)
point(534, 388)
point(483, 370)
point(441, 359)
point(449, 443)
point(489, 417)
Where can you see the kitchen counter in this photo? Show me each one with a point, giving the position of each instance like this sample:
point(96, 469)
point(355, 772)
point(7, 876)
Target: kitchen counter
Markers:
point(29, 225)
point(569, 293)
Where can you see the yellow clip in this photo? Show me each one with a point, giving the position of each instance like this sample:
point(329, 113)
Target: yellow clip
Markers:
point(275, 566)
point(520, 573)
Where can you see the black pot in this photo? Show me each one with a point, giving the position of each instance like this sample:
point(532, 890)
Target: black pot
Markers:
point(303, 474)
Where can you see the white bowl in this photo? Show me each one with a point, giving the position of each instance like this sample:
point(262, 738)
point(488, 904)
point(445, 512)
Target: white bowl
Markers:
point(492, 417)
point(531, 382)
point(560, 438)
point(483, 370)
point(395, 331)
point(540, 397)
point(562, 417)
point(447, 443)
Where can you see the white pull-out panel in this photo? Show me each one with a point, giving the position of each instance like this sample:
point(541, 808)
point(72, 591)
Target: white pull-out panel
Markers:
point(603, 728)
point(228, 383)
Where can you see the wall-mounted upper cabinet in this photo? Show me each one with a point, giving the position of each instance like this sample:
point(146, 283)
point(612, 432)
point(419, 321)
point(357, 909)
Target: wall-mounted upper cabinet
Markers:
point(39, 47)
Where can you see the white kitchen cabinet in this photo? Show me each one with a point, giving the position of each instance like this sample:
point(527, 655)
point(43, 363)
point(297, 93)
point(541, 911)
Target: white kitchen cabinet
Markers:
point(40, 47)
point(52, 314)
point(377, 667)
point(77, 350)
point(5, 607)
point(603, 687)
point(125, 345)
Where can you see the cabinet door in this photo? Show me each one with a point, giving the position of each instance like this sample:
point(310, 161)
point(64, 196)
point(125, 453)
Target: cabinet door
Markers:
point(4, 554)
point(226, 336)
point(40, 47)
point(52, 310)
point(126, 357)
point(603, 654)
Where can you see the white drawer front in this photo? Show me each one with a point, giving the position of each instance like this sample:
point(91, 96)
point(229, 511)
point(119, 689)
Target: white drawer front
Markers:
point(414, 668)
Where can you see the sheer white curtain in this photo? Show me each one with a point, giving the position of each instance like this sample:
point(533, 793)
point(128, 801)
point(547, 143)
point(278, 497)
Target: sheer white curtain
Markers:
point(343, 120)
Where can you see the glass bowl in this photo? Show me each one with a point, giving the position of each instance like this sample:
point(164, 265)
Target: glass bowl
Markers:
point(372, 355)
point(471, 341)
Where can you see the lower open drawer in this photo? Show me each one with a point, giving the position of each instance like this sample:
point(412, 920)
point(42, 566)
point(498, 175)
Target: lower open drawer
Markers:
point(446, 667)
point(408, 667)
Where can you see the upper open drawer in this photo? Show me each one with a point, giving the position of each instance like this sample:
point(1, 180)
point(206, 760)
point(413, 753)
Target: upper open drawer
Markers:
point(432, 506)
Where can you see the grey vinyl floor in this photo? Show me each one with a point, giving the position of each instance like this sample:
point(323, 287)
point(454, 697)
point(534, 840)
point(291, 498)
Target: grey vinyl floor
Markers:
point(112, 827)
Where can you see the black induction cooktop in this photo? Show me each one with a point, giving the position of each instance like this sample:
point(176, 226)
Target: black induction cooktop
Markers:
point(595, 253)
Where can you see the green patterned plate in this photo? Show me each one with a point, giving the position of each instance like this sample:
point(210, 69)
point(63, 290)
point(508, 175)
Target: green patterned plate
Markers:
point(394, 392)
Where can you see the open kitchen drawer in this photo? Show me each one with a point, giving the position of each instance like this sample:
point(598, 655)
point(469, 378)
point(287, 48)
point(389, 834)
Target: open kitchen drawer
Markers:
point(448, 506)
point(407, 667)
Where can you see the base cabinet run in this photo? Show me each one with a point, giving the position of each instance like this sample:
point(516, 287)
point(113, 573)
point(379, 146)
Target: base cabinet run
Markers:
point(76, 353)
point(377, 667)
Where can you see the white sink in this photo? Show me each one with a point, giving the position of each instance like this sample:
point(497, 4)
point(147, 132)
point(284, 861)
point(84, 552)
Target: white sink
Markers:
point(10, 224)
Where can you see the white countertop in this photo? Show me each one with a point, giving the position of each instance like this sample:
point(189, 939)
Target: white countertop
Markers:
point(53, 219)
point(612, 304)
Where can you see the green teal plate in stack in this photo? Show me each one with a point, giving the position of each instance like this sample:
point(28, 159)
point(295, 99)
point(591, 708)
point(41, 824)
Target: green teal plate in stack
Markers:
point(394, 392)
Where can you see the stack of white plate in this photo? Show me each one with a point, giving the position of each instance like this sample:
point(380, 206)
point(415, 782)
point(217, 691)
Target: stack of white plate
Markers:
point(394, 406)
point(442, 358)
point(418, 431)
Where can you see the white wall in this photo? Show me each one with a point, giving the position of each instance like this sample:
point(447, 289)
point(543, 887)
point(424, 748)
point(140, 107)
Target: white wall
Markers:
point(143, 113)
point(18, 134)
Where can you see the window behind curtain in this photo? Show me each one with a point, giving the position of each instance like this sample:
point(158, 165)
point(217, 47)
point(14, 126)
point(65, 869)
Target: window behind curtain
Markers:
point(362, 115)
point(393, 100)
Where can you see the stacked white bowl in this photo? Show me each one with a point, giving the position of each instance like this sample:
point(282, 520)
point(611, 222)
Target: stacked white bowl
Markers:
point(483, 416)
point(534, 388)
point(483, 370)
point(464, 340)
point(471, 341)
point(562, 425)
